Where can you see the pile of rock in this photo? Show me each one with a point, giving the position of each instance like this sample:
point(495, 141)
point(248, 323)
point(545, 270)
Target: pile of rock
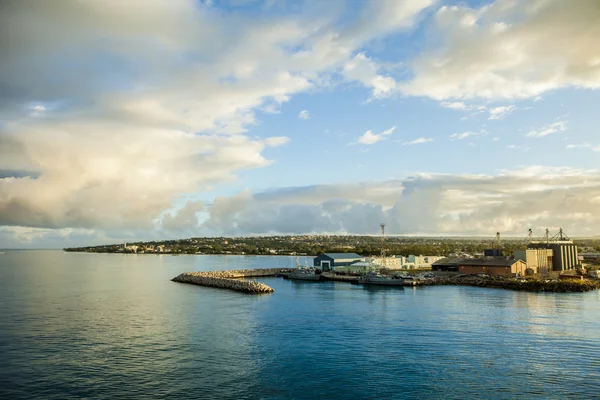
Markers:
point(228, 280)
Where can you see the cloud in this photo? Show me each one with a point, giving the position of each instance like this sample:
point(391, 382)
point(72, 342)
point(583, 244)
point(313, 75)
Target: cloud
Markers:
point(38, 108)
point(501, 112)
point(151, 104)
point(518, 147)
point(371, 138)
point(388, 131)
point(464, 135)
point(546, 130)
point(456, 105)
point(421, 140)
point(583, 146)
point(510, 202)
point(509, 50)
point(184, 220)
point(364, 70)
point(304, 114)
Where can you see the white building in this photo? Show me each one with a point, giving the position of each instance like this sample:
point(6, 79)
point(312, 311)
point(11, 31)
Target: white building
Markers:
point(413, 261)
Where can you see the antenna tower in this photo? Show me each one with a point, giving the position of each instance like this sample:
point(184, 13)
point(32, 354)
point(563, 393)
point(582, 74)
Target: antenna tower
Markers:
point(382, 241)
point(497, 242)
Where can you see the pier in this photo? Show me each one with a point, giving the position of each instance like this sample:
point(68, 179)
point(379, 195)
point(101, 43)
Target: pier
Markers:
point(232, 280)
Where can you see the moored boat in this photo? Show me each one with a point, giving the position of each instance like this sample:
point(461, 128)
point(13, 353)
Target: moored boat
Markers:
point(374, 278)
point(304, 273)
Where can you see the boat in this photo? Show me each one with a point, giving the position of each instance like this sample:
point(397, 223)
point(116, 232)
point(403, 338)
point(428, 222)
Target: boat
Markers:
point(374, 278)
point(304, 273)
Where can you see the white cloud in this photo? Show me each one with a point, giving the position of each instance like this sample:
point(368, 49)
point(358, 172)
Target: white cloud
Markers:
point(371, 138)
point(364, 70)
point(420, 140)
point(509, 49)
point(501, 112)
point(456, 105)
point(464, 135)
point(151, 103)
point(584, 146)
point(389, 131)
point(304, 114)
point(518, 147)
point(546, 130)
point(510, 202)
point(276, 141)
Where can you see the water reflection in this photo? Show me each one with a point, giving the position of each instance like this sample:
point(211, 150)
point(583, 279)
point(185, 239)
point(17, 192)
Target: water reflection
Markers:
point(107, 326)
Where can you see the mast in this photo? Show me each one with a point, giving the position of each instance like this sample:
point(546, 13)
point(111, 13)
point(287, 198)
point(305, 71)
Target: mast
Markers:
point(382, 241)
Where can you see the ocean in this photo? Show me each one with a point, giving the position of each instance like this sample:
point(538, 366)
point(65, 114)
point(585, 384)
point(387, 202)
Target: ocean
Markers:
point(113, 326)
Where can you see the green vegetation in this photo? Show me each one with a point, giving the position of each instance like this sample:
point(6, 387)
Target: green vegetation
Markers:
point(315, 244)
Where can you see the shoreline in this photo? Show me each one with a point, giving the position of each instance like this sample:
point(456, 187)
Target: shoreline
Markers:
point(235, 280)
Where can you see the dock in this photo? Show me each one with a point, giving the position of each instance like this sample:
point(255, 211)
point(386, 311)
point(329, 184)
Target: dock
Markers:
point(236, 280)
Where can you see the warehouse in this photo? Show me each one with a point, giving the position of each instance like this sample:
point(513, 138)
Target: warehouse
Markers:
point(328, 261)
point(492, 267)
point(446, 264)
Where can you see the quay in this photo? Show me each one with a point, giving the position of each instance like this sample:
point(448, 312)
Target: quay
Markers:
point(232, 279)
point(235, 280)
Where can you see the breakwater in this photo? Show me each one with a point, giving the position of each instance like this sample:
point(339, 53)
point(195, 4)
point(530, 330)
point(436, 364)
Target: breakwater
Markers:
point(231, 280)
point(524, 285)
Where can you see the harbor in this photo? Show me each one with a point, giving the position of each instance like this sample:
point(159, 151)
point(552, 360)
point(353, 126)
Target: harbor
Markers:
point(237, 280)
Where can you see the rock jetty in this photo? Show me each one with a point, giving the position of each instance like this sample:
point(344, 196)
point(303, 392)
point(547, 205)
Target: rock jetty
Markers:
point(232, 280)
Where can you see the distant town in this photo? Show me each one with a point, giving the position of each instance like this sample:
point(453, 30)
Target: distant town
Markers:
point(548, 260)
point(311, 245)
point(308, 245)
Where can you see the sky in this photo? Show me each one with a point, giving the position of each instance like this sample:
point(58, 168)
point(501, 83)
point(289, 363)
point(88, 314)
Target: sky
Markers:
point(147, 120)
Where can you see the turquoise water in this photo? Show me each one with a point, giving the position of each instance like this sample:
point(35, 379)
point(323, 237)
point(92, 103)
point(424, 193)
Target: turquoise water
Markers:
point(110, 326)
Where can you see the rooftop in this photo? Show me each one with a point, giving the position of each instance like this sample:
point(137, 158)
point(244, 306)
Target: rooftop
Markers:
point(342, 255)
point(491, 262)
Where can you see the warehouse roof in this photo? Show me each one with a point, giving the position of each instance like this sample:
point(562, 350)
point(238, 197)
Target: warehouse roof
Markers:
point(342, 256)
point(490, 262)
point(448, 261)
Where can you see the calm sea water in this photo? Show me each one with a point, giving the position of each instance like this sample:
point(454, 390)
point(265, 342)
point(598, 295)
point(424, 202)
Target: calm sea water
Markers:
point(113, 326)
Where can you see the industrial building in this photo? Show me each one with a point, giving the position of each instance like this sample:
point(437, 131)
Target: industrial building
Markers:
point(492, 267)
point(446, 264)
point(564, 251)
point(413, 261)
point(329, 261)
point(539, 260)
point(389, 262)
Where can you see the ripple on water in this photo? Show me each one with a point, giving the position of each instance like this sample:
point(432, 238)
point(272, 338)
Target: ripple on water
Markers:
point(114, 326)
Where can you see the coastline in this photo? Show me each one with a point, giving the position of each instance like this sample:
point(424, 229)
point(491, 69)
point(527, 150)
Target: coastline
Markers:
point(235, 280)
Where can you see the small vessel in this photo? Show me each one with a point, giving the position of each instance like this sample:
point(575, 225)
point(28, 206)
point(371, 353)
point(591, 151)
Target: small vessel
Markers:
point(304, 273)
point(374, 278)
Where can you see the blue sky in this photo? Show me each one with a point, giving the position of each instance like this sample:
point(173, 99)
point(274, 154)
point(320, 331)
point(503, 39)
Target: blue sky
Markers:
point(176, 119)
